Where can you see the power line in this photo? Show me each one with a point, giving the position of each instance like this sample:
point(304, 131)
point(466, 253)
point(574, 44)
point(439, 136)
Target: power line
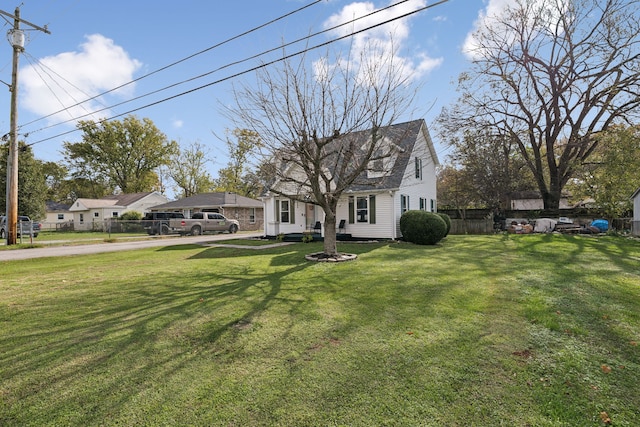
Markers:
point(252, 69)
point(37, 65)
point(209, 72)
point(180, 60)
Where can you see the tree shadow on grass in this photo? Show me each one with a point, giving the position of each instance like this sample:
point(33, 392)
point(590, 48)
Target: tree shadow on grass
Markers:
point(120, 343)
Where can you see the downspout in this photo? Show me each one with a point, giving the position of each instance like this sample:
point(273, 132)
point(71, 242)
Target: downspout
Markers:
point(394, 228)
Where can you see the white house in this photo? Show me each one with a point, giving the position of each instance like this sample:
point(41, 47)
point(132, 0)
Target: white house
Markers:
point(90, 214)
point(405, 180)
point(57, 215)
point(635, 228)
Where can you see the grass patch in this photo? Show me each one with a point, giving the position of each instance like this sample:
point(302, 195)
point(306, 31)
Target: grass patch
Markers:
point(510, 330)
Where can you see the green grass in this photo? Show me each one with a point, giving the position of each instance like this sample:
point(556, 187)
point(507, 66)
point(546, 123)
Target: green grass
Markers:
point(247, 242)
point(478, 331)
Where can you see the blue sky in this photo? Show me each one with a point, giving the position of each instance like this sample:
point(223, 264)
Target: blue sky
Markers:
point(96, 46)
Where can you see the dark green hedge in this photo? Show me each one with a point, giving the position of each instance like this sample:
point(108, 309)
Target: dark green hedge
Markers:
point(422, 228)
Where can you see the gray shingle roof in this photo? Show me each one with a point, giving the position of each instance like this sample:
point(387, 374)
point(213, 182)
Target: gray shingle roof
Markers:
point(126, 199)
point(404, 136)
point(211, 200)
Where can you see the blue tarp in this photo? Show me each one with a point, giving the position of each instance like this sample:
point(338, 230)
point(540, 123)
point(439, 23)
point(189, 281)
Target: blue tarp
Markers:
point(600, 224)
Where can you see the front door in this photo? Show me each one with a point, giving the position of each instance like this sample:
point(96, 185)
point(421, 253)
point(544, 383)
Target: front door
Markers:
point(310, 214)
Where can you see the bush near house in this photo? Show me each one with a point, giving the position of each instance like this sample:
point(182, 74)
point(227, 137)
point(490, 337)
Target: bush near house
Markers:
point(422, 228)
point(447, 221)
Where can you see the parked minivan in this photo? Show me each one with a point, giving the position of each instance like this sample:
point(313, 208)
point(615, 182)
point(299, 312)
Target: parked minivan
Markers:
point(25, 225)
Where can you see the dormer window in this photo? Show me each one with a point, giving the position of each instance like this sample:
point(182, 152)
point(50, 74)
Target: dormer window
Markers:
point(383, 159)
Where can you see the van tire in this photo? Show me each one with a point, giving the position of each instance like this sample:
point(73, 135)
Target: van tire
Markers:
point(196, 231)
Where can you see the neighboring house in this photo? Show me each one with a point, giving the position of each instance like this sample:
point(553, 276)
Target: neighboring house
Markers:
point(371, 208)
point(90, 214)
point(57, 216)
point(532, 201)
point(247, 211)
point(635, 228)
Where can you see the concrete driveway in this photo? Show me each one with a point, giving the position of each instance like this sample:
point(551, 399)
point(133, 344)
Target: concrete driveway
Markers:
point(94, 248)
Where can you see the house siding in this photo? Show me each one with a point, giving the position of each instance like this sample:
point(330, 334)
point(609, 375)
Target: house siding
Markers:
point(635, 229)
point(417, 188)
point(384, 209)
point(273, 226)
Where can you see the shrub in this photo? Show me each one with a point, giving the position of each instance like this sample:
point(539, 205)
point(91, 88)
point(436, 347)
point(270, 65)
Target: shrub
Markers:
point(447, 221)
point(131, 216)
point(422, 228)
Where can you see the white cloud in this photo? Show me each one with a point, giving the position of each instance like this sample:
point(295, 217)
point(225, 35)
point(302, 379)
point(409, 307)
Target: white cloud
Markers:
point(177, 123)
point(384, 40)
point(495, 8)
point(63, 80)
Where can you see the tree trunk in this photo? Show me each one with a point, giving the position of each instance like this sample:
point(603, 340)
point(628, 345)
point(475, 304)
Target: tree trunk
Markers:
point(550, 200)
point(330, 244)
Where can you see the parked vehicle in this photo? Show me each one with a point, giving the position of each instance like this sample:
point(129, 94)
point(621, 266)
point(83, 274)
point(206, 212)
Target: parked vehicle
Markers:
point(159, 222)
point(25, 225)
point(204, 222)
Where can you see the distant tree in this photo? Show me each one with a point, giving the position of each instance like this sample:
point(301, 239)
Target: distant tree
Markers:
point(86, 188)
point(307, 115)
point(188, 170)
point(32, 188)
point(454, 189)
point(235, 177)
point(56, 180)
point(549, 75)
point(163, 173)
point(611, 176)
point(123, 153)
point(256, 181)
point(493, 167)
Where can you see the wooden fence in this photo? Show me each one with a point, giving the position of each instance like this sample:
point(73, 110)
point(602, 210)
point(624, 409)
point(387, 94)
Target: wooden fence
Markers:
point(471, 226)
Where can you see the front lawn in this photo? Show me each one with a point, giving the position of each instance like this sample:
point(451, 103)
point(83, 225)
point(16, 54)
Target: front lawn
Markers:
point(513, 330)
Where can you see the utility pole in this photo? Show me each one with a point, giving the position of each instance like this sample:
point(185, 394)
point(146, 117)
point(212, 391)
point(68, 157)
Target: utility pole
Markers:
point(17, 41)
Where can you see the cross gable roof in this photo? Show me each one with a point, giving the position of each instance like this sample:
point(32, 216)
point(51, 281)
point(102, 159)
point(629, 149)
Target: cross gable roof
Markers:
point(402, 137)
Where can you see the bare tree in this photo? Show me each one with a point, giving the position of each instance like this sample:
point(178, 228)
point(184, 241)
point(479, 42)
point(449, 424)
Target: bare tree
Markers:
point(308, 115)
point(187, 170)
point(549, 74)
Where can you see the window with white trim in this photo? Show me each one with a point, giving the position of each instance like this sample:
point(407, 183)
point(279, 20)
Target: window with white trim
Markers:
point(362, 209)
point(433, 205)
point(96, 214)
point(60, 216)
point(284, 211)
point(423, 204)
point(252, 215)
point(404, 203)
point(419, 168)
point(114, 214)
